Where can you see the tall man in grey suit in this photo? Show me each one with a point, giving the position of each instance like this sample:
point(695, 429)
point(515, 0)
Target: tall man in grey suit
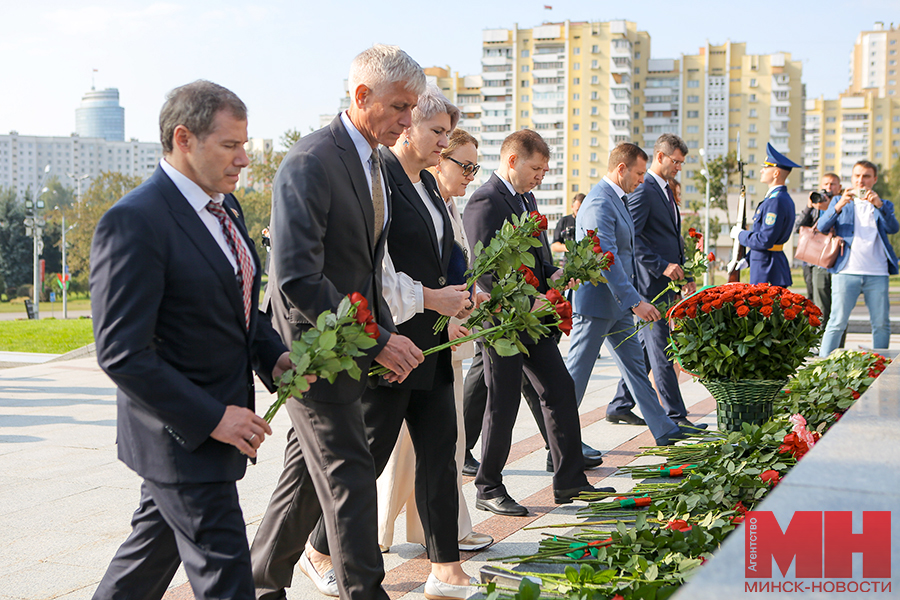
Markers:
point(607, 309)
point(330, 215)
point(174, 289)
point(659, 256)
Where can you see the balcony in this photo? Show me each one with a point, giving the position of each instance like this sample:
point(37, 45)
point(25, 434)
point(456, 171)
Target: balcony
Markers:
point(496, 60)
point(620, 48)
point(495, 75)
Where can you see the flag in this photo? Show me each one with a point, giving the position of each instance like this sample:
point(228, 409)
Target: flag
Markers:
point(548, 7)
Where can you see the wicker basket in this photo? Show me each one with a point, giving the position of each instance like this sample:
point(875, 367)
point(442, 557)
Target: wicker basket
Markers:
point(743, 401)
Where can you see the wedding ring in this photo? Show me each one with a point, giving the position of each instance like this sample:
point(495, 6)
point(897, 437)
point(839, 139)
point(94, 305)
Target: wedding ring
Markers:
point(252, 435)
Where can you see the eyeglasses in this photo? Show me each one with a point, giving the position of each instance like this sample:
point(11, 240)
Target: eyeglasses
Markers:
point(675, 160)
point(468, 168)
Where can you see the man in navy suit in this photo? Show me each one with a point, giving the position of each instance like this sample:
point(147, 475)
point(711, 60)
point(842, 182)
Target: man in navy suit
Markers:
point(606, 311)
point(524, 158)
point(659, 255)
point(174, 293)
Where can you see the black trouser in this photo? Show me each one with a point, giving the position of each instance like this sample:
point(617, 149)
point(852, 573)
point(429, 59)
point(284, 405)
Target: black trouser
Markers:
point(546, 370)
point(327, 461)
point(199, 524)
point(431, 420)
point(475, 399)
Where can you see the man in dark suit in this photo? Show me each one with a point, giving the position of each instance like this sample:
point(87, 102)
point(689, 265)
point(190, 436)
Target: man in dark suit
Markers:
point(606, 310)
point(330, 212)
point(174, 289)
point(659, 256)
point(524, 156)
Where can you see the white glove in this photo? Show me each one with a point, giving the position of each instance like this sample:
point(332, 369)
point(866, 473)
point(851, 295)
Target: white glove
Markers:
point(735, 232)
point(737, 266)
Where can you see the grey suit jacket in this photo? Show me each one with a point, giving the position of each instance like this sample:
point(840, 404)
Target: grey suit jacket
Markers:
point(605, 213)
point(324, 245)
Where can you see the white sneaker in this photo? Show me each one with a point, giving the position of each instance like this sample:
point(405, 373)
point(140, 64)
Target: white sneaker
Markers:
point(435, 589)
point(326, 583)
point(475, 541)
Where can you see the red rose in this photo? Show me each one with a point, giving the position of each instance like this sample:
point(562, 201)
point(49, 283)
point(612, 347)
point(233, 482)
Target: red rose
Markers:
point(742, 311)
point(565, 325)
point(595, 239)
point(711, 257)
point(564, 309)
point(855, 394)
point(597, 249)
point(554, 296)
point(707, 308)
point(678, 525)
point(740, 508)
point(814, 321)
point(363, 315)
point(717, 303)
point(790, 314)
point(754, 301)
point(609, 255)
point(737, 520)
point(766, 311)
point(767, 300)
point(590, 233)
point(692, 232)
point(373, 331)
point(771, 477)
point(357, 297)
point(785, 302)
point(691, 311)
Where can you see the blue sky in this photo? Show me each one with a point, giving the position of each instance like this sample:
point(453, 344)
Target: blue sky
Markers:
point(288, 59)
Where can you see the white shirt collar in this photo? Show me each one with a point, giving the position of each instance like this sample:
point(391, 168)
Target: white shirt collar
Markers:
point(196, 197)
point(509, 186)
point(619, 191)
point(662, 182)
point(362, 146)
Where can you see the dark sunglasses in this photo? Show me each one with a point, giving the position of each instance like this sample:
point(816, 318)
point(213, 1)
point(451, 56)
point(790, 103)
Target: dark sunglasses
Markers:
point(468, 168)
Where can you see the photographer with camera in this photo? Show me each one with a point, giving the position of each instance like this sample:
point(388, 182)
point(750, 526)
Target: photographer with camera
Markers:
point(565, 229)
point(864, 220)
point(818, 280)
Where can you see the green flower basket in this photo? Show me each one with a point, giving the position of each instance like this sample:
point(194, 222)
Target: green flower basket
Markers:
point(743, 401)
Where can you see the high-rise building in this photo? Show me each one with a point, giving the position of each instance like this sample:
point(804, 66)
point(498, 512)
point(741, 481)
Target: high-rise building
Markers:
point(256, 148)
point(100, 116)
point(873, 61)
point(23, 159)
point(856, 126)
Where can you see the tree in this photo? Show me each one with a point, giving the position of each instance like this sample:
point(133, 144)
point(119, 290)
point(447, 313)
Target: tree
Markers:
point(888, 186)
point(103, 193)
point(264, 167)
point(16, 250)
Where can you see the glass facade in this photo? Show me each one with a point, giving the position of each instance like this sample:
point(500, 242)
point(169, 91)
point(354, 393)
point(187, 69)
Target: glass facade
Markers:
point(100, 116)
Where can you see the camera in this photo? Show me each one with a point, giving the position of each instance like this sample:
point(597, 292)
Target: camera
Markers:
point(819, 197)
point(568, 233)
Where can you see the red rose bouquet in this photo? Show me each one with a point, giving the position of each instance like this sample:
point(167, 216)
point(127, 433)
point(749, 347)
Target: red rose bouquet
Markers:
point(740, 331)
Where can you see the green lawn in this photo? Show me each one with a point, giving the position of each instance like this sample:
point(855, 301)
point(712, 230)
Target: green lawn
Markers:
point(18, 306)
point(51, 336)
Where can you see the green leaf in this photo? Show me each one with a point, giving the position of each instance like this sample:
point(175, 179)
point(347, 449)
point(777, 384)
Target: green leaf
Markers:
point(571, 574)
point(328, 339)
point(528, 590)
point(322, 320)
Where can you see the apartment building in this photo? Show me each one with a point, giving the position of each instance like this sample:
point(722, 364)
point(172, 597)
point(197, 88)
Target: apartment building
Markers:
point(873, 61)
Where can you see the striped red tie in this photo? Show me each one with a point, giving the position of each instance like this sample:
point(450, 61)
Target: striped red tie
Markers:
point(239, 250)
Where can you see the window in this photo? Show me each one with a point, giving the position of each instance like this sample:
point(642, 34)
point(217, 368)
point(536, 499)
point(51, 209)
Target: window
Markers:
point(830, 131)
point(594, 110)
point(576, 66)
point(692, 144)
point(594, 96)
point(829, 144)
point(524, 114)
point(574, 187)
point(593, 172)
point(693, 114)
point(830, 119)
point(751, 143)
point(637, 70)
point(524, 97)
point(595, 49)
point(524, 68)
point(637, 115)
point(752, 113)
point(593, 141)
point(637, 85)
point(595, 80)
point(693, 99)
point(576, 81)
point(751, 173)
point(690, 189)
point(524, 83)
point(575, 173)
point(693, 129)
point(575, 142)
point(753, 83)
point(577, 50)
point(752, 159)
point(575, 126)
point(693, 83)
point(752, 128)
point(595, 64)
point(576, 157)
point(576, 112)
point(594, 155)
point(879, 129)
point(576, 96)
point(524, 53)
point(637, 130)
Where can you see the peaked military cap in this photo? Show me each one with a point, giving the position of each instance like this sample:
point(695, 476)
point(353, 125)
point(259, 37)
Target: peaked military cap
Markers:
point(774, 158)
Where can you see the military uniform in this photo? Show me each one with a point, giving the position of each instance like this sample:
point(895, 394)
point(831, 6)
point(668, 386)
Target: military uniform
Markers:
point(772, 225)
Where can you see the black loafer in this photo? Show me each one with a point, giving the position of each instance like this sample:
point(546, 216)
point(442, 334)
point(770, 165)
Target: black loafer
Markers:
point(590, 462)
point(628, 418)
point(470, 465)
point(567, 496)
point(501, 505)
point(683, 422)
point(588, 451)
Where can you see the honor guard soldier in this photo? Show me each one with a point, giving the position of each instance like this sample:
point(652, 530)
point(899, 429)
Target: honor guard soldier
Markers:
point(772, 224)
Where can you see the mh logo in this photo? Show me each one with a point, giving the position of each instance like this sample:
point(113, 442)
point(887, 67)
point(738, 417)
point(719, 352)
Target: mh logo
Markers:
point(822, 542)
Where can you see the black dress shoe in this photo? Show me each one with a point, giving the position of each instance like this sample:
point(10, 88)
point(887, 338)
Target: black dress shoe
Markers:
point(683, 422)
point(501, 505)
point(566, 496)
point(670, 438)
point(627, 417)
point(470, 465)
point(588, 451)
point(590, 462)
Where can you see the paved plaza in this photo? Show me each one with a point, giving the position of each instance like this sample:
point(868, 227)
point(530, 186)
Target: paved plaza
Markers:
point(66, 501)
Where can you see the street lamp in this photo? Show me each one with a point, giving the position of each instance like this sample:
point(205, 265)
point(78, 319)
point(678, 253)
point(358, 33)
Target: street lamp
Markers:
point(65, 266)
point(36, 224)
point(705, 174)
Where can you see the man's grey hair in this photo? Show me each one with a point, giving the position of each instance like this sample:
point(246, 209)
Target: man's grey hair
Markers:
point(433, 102)
point(668, 143)
point(383, 65)
point(195, 105)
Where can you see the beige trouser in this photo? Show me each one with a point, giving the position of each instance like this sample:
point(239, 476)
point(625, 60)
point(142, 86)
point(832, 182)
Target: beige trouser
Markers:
point(396, 485)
